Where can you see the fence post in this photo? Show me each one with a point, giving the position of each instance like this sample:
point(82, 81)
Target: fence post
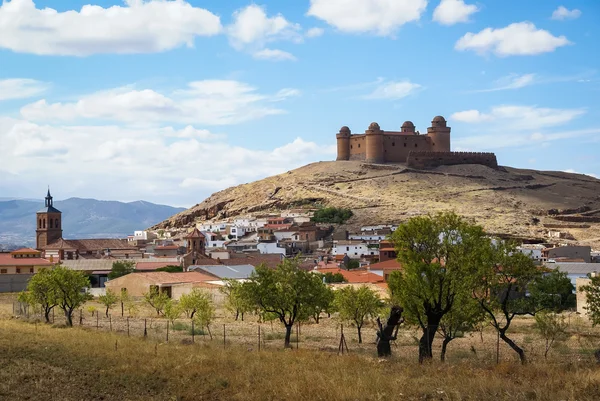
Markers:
point(80, 317)
point(167, 330)
point(145, 330)
point(193, 340)
point(97, 321)
point(110, 322)
point(223, 336)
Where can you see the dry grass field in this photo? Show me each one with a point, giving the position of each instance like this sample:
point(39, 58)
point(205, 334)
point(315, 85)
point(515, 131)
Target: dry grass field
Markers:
point(50, 362)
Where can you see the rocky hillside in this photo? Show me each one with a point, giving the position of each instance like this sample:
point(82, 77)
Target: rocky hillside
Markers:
point(509, 201)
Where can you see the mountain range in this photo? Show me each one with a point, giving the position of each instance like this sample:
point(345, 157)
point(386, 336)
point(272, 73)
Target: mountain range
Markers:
point(81, 218)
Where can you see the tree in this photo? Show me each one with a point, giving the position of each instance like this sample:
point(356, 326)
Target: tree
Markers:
point(172, 310)
point(332, 215)
point(71, 286)
point(552, 327)
point(555, 291)
point(109, 299)
point(592, 296)
point(42, 291)
point(170, 269)
point(334, 278)
point(352, 264)
point(236, 301)
point(323, 301)
point(196, 301)
point(121, 268)
point(286, 292)
point(357, 305)
point(440, 255)
point(503, 288)
point(156, 299)
point(465, 316)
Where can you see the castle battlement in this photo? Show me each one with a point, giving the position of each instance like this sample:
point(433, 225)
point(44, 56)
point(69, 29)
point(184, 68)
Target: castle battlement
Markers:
point(406, 146)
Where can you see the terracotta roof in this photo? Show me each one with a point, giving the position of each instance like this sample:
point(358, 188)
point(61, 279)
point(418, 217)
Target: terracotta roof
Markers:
point(26, 250)
point(175, 278)
point(150, 266)
point(386, 265)
point(195, 234)
point(6, 259)
point(271, 260)
point(91, 244)
point(354, 276)
point(387, 249)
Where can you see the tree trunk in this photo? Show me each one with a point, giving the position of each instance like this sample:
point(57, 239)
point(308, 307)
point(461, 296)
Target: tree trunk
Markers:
point(192, 315)
point(317, 316)
point(242, 316)
point(122, 309)
point(107, 310)
point(359, 334)
point(515, 347)
point(69, 317)
point(47, 314)
point(237, 314)
point(444, 346)
point(386, 334)
point(288, 335)
point(426, 341)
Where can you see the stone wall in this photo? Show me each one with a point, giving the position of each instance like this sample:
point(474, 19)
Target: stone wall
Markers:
point(418, 159)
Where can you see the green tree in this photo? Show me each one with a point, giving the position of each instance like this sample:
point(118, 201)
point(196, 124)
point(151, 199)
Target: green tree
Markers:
point(170, 269)
point(71, 286)
point(334, 278)
point(352, 264)
point(554, 291)
point(357, 305)
point(157, 300)
point(552, 328)
point(465, 316)
point(172, 310)
point(592, 295)
point(503, 287)
point(323, 302)
point(109, 299)
point(440, 255)
point(286, 292)
point(195, 302)
point(332, 215)
point(236, 301)
point(42, 291)
point(121, 268)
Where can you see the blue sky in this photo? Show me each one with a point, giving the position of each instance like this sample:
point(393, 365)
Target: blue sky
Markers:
point(170, 101)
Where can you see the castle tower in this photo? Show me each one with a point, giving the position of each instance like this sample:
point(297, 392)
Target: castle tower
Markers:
point(343, 144)
point(408, 127)
point(374, 144)
point(49, 224)
point(439, 134)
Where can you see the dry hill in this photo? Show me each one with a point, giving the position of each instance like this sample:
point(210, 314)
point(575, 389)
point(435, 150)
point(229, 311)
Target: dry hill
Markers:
point(509, 201)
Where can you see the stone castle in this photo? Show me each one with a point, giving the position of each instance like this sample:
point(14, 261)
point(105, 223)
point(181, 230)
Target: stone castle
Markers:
point(407, 146)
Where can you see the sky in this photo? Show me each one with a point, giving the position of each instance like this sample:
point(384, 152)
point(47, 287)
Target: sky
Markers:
point(169, 101)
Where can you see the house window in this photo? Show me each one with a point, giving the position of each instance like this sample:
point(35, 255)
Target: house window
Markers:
point(393, 143)
point(347, 248)
point(415, 145)
point(359, 145)
point(44, 223)
point(31, 270)
point(18, 270)
point(404, 144)
point(3, 271)
point(51, 223)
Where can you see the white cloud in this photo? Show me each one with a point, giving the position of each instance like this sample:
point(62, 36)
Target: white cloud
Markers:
point(519, 117)
point(393, 90)
point(562, 13)
point(130, 163)
point(274, 54)
point(521, 38)
point(572, 171)
point(512, 81)
point(380, 17)
point(450, 12)
point(138, 27)
point(314, 32)
point(252, 28)
point(21, 88)
point(211, 102)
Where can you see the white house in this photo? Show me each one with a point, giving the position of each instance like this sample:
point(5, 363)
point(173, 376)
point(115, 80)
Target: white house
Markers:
point(533, 251)
point(354, 249)
point(270, 247)
point(284, 234)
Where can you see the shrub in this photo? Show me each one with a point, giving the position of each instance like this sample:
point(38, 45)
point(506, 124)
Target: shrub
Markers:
point(332, 215)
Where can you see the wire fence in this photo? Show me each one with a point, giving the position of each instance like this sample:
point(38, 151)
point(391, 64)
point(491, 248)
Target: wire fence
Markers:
point(328, 336)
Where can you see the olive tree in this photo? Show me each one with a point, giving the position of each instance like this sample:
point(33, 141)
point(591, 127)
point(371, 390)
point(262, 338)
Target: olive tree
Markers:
point(71, 289)
point(592, 296)
point(108, 300)
point(196, 302)
point(235, 299)
point(42, 291)
point(440, 256)
point(357, 305)
point(285, 292)
point(552, 328)
point(157, 300)
point(465, 316)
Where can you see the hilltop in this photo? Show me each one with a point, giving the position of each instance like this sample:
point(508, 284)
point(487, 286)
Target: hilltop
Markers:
point(506, 201)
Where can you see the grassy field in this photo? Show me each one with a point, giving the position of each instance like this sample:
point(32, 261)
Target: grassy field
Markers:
point(41, 362)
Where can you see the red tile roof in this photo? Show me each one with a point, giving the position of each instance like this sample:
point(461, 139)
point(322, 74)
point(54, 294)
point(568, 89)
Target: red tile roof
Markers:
point(6, 259)
point(174, 278)
point(354, 276)
point(387, 265)
point(150, 266)
point(195, 234)
point(26, 250)
point(95, 244)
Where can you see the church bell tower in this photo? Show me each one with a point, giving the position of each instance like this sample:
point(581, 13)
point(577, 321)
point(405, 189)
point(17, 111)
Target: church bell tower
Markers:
point(49, 224)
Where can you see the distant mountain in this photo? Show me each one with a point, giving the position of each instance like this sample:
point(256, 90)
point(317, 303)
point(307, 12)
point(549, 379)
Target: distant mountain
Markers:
point(81, 218)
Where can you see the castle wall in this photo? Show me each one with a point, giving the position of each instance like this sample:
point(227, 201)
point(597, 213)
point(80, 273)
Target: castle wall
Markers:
point(358, 147)
point(418, 159)
point(397, 147)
